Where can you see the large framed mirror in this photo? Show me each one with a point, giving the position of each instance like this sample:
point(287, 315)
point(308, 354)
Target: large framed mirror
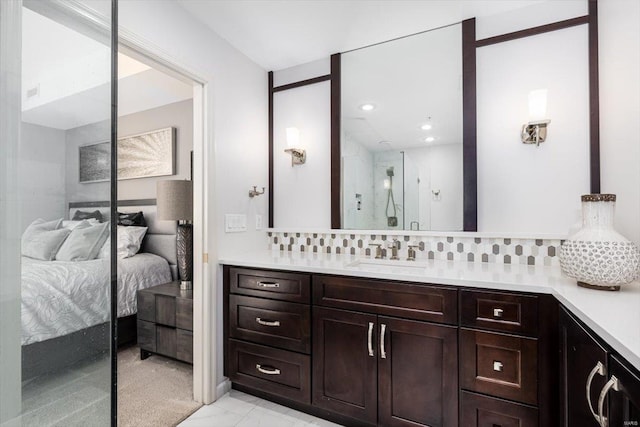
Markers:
point(401, 133)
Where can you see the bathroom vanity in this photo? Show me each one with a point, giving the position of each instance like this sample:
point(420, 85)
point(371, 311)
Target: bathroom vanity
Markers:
point(433, 343)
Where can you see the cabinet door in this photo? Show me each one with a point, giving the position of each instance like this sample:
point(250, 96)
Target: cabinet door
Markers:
point(580, 355)
point(417, 373)
point(344, 363)
point(625, 401)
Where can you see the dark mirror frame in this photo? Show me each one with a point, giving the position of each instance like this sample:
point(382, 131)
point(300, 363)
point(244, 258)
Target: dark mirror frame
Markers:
point(469, 117)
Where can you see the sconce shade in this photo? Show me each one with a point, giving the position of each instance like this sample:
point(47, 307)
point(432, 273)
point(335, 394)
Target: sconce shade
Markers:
point(175, 200)
point(537, 105)
point(293, 138)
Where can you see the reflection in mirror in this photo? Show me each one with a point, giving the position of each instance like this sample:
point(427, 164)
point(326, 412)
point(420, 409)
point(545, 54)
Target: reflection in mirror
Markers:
point(401, 135)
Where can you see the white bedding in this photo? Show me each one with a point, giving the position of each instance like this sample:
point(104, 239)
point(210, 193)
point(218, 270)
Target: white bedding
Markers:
point(61, 297)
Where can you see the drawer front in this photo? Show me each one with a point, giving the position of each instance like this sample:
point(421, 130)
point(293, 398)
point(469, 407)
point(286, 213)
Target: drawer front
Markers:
point(184, 345)
point(166, 341)
point(271, 370)
point(499, 365)
point(499, 311)
point(184, 314)
point(146, 306)
point(275, 323)
point(483, 411)
point(292, 287)
point(146, 335)
point(412, 301)
point(165, 310)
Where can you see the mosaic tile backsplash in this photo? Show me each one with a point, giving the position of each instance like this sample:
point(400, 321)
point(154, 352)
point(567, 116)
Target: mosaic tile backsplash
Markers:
point(471, 249)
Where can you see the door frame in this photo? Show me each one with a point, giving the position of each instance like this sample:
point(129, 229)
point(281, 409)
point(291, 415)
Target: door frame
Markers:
point(204, 200)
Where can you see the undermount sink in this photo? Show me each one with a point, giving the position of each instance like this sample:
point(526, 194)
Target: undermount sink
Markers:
point(412, 267)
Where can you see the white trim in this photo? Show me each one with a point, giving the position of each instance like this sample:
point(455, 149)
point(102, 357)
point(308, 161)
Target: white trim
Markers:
point(223, 388)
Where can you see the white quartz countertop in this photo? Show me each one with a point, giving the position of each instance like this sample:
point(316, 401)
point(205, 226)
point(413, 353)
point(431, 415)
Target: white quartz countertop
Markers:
point(614, 316)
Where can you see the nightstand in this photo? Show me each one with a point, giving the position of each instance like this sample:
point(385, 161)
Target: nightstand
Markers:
point(165, 322)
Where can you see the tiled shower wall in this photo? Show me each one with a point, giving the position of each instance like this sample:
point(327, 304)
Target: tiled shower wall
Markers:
point(471, 249)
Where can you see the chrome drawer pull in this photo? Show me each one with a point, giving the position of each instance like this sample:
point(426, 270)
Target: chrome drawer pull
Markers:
point(270, 371)
point(267, 322)
point(497, 366)
point(269, 284)
point(614, 384)
point(383, 353)
point(370, 338)
point(598, 369)
point(497, 312)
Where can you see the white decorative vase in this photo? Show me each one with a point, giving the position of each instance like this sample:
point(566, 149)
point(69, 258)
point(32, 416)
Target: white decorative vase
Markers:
point(597, 255)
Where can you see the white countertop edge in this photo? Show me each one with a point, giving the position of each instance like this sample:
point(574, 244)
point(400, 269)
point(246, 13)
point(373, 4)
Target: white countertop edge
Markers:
point(426, 233)
point(557, 286)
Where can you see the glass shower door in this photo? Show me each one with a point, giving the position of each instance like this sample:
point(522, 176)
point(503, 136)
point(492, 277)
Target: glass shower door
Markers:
point(55, 211)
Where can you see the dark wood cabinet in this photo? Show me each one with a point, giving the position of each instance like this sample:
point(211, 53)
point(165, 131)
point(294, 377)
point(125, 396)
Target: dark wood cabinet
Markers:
point(417, 373)
point(583, 367)
point(598, 387)
point(411, 364)
point(482, 411)
point(345, 363)
point(165, 322)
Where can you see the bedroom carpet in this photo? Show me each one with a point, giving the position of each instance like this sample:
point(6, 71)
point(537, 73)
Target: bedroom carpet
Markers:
point(154, 392)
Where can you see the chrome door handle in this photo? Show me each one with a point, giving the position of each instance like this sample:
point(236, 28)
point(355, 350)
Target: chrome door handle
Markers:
point(267, 322)
point(598, 369)
point(497, 366)
point(614, 384)
point(498, 312)
point(272, 371)
point(370, 339)
point(383, 353)
point(269, 284)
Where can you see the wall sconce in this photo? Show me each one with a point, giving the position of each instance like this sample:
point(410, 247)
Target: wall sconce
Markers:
point(298, 155)
point(535, 131)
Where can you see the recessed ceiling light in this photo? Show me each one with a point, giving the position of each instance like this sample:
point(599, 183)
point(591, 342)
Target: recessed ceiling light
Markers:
point(429, 139)
point(426, 126)
point(367, 107)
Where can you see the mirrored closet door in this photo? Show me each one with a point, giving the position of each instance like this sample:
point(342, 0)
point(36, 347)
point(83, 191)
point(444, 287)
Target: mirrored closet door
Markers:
point(55, 243)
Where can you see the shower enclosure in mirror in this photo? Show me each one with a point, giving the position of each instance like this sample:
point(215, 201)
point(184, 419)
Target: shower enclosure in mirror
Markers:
point(55, 260)
point(401, 133)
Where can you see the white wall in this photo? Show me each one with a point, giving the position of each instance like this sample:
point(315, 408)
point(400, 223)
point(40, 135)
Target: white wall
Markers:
point(357, 172)
point(42, 173)
point(302, 193)
point(619, 63)
point(178, 115)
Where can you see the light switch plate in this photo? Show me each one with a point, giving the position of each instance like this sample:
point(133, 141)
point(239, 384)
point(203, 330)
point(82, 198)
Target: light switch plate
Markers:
point(258, 222)
point(235, 223)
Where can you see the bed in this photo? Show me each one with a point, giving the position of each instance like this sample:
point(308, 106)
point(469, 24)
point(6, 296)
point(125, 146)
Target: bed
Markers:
point(66, 304)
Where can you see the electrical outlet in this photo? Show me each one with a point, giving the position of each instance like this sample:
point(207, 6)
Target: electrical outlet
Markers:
point(258, 222)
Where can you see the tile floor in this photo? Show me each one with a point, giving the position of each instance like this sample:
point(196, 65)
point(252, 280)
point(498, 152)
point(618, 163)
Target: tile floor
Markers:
point(243, 410)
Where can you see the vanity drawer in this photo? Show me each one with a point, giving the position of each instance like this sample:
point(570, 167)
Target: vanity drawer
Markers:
point(294, 287)
point(483, 411)
point(408, 300)
point(280, 324)
point(271, 370)
point(499, 365)
point(499, 311)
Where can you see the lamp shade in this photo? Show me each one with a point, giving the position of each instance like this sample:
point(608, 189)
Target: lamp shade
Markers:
point(175, 200)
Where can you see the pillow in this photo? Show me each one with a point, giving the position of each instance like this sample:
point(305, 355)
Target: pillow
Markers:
point(130, 240)
point(80, 215)
point(70, 224)
point(41, 240)
point(129, 219)
point(84, 242)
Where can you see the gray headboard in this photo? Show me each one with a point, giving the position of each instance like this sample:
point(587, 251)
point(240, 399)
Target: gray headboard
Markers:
point(161, 236)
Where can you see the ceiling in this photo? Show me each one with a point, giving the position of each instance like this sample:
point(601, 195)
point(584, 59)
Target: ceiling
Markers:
point(66, 78)
point(278, 34)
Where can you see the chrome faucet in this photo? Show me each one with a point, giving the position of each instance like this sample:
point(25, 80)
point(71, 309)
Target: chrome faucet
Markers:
point(411, 253)
point(378, 249)
point(394, 249)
